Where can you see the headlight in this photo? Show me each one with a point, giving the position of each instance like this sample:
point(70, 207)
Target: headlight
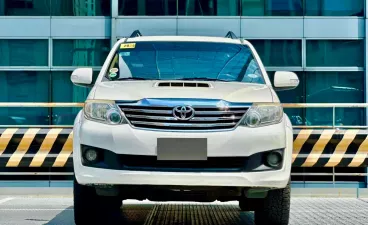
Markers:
point(263, 115)
point(103, 111)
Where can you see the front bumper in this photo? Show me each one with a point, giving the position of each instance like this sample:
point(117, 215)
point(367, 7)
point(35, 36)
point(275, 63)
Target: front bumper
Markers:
point(241, 142)
point(270, 179)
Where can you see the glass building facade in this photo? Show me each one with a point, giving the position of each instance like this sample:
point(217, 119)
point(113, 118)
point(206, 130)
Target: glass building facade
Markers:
point(43, 41)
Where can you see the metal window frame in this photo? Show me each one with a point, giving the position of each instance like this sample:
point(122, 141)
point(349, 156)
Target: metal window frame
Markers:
point(72, 68)
point(284, 68)
point(334, 69)
point(274, 39)
point(80, 17)
point(25, 68)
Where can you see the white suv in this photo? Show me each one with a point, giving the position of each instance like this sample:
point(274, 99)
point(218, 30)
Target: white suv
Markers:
point(177, 118)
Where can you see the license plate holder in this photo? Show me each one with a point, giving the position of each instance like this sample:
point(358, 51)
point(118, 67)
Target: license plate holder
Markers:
point(181, 149)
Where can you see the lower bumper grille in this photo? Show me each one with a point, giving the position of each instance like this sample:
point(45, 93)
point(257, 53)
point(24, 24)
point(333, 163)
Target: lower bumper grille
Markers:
point(213, 163)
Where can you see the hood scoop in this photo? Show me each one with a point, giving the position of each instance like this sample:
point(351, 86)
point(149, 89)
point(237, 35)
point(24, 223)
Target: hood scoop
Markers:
point(183, 84)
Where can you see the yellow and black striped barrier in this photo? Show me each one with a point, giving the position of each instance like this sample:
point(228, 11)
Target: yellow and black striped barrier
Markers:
point(330, 148)
point(36, 147)
point(42, 147)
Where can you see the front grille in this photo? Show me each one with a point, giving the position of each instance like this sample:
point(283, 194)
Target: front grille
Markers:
point(205, 118)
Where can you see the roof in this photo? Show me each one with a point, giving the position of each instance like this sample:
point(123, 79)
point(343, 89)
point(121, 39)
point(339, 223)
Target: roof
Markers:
point(184, 38)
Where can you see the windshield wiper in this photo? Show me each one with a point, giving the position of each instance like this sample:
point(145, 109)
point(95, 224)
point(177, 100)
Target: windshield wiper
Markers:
point(132, 78)
point(202, 78)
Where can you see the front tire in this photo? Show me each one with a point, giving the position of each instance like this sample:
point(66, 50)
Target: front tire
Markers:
point(275, 208)
point(90, 208)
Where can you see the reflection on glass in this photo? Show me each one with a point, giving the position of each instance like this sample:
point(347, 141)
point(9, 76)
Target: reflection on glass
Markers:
point(325, 87)
point(24, 7)
point(80, 52)
point(335, 87)
point(334, 8)
point(335, 53)
point(208, 7)
point(64, 91)
point(80, 8)
point(24, 86)
point(350, 117)
point(279, 52)
point(147, 7)
point(272, 7)
point(21, 52)
point(343, 117)
point(319, 117)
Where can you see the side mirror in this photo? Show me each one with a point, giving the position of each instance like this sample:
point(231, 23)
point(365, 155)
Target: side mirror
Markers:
point(284, 80)
point(82, 77)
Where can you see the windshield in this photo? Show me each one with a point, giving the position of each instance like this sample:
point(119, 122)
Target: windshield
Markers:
point(184, 61)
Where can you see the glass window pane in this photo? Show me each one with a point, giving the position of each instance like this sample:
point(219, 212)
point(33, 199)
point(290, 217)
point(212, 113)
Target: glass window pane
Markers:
point(80, 8)
point(272, 7)
point(63, 90)
point(334, 8)
point(338, 53)
point(80, 52)
point(279, 52)
point(24, 86)
point(147, 7)
point(24, 7)
point(17, 52)
point(208, 7)
point(335, 87)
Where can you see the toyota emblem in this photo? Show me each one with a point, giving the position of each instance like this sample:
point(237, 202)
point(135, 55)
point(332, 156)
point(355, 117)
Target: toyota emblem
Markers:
point(183, 112)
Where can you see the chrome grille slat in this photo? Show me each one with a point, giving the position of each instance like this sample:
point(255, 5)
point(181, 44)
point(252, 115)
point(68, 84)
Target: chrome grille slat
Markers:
point(129, 116)
point(154, 111)
point(147, 111)
point(160, 116)
point(218, 112)
point(183, 124)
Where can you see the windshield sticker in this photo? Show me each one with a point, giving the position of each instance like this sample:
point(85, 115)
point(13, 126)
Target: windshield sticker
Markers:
point(113, 73)
point(125, 53)
point(114, 70)
point(113, 76)
point(127, 45)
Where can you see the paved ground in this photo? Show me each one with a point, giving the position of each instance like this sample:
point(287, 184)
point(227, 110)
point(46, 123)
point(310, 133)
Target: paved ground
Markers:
point(21, 210)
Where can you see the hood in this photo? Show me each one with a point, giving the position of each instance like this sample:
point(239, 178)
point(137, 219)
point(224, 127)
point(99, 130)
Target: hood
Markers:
point(136, 90)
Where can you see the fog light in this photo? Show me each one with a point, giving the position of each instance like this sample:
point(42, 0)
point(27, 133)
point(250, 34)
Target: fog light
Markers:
point(274, 159)
point(91, 155)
